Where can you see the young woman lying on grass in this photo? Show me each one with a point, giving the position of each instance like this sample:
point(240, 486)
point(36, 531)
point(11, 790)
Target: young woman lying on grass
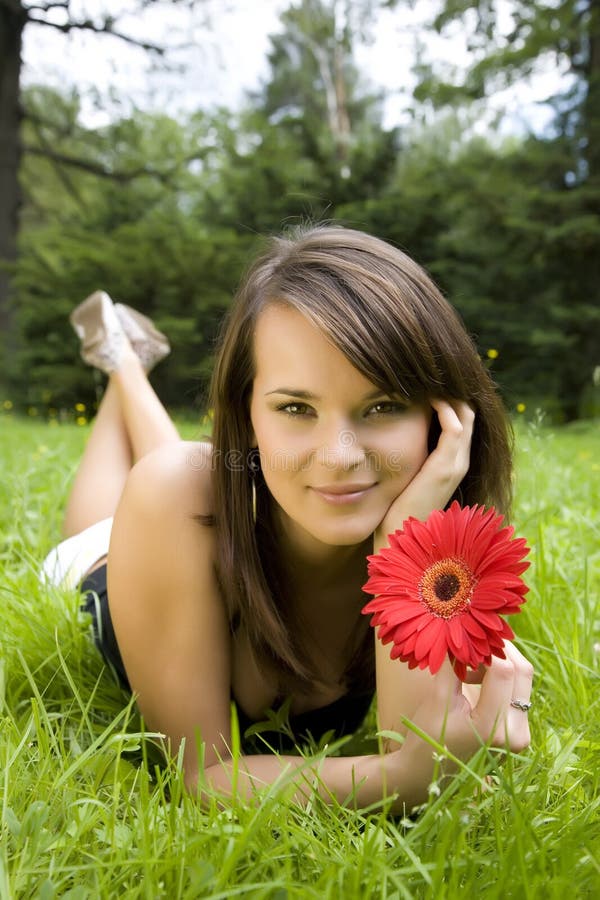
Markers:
point(347, 396)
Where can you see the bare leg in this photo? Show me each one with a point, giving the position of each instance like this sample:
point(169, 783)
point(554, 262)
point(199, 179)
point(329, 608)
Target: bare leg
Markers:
point(131, 422)
point(147, 422)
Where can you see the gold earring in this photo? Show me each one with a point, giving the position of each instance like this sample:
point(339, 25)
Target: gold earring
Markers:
point(254, 499)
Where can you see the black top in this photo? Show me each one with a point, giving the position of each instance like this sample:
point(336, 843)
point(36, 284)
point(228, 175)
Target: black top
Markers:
point(280, 732)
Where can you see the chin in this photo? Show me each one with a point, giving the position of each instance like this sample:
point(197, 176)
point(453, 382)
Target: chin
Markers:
point(343, 536)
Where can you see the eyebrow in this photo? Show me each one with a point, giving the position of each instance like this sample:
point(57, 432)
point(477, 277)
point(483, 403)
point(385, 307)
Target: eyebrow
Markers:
point(307, 395)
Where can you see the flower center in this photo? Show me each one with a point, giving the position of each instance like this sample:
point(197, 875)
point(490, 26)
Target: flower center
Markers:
point(446, 587)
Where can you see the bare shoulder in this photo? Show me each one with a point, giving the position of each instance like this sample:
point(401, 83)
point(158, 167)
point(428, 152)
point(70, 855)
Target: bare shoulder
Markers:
point(175, 477)
point(159, 538)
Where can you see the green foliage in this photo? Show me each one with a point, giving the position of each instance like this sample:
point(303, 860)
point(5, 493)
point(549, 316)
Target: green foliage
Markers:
point(500, 232)
point(165, 215)
point(536, 222)
point(137, 237)
point(88, 810)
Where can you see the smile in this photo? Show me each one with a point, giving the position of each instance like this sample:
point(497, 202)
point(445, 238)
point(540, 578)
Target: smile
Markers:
point(339, 495)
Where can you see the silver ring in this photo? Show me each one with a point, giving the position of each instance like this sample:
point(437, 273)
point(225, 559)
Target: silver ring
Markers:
point(523, 705)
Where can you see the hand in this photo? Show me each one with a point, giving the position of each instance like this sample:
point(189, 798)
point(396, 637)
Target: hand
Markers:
point(487, 717)
point(440, 474)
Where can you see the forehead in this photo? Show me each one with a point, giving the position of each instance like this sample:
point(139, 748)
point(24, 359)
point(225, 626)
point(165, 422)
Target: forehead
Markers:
point(291, 351)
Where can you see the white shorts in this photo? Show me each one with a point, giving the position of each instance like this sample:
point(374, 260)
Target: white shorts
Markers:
point(67, 563)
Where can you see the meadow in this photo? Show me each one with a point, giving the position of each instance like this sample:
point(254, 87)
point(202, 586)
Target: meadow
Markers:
point(89, 811)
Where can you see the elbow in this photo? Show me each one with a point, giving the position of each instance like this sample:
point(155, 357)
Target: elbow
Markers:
point(209, 784)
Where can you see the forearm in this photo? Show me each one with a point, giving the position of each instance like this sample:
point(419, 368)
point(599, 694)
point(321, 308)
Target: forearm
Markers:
point(360, 781)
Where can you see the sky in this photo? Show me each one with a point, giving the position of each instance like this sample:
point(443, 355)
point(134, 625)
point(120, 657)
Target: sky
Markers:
point(224, 56)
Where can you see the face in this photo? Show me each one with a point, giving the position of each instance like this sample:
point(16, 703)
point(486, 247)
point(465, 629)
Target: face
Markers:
point(335, 450)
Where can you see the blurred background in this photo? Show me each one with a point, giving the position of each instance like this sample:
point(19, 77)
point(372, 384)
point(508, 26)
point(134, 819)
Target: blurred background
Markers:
point(146, 145)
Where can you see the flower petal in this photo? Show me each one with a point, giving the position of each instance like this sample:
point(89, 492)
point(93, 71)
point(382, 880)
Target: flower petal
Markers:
point(438, 653)
point(456, 630)
point(427, 637)
point(409, 607)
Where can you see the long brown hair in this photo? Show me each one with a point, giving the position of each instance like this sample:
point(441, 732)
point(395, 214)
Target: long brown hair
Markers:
point(384, 313)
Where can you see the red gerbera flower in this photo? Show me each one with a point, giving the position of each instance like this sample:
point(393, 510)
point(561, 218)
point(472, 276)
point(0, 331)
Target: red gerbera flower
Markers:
point(441, 586)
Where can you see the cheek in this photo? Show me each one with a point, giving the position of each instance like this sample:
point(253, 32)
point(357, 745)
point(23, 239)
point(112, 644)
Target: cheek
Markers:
point(284, 448)
point(422, 443)
point(410, 438)
point(404, 451)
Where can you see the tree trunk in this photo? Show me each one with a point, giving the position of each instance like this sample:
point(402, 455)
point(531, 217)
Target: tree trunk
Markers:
point(12, 22)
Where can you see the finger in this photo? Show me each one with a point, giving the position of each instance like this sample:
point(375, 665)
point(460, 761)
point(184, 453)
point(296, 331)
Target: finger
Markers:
point(523, 672)
point(517, 722)
point(456, 420)
point(476, 676)
point(447, 686)
point(466, 416)
point(465, 412)
point(450, 459)
point(458, 409)
point(492, 710)
point(472, 693)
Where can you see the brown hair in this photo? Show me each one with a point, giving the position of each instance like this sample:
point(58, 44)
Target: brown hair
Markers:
point(383, 312)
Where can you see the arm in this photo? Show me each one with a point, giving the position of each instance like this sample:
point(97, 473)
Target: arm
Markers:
point(415, 694)
point(400, 690)
point(445, 715)
point(173, 635)
point(174, 639)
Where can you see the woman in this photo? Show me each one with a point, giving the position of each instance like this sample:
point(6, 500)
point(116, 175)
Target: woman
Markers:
point(347, 396)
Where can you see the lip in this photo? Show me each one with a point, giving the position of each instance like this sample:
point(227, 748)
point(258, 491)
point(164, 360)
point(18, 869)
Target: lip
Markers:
point(344, 488)
point(340, 494)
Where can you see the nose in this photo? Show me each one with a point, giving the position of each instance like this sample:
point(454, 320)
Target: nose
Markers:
point(341, 449)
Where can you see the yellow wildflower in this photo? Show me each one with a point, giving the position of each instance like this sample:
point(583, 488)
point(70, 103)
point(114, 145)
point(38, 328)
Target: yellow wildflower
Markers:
point(80, 407)
point(7, 404)
point(521, 407)
point(492, 353)
point(81, 420)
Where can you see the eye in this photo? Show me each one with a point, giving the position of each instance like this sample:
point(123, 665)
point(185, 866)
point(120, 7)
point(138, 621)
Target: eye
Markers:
point(387, 408)
point(294, 410)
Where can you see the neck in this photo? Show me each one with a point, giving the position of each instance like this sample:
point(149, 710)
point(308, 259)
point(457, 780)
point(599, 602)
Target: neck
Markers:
point(308, 560)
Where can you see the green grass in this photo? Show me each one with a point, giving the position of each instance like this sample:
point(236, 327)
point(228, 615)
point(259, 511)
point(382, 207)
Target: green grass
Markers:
point(86, 811)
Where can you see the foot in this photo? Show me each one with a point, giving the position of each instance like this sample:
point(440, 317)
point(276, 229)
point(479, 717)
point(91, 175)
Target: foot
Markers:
point(148, 342)
point(104, 343)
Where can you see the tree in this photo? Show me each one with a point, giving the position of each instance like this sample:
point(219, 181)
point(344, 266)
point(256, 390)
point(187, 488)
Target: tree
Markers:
point(562, 211)
point(164, 236)
point(125, 220)
point(510, 248)
point(315, 89)
point(312, 137)
point(564, 32)
point(15, 17)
